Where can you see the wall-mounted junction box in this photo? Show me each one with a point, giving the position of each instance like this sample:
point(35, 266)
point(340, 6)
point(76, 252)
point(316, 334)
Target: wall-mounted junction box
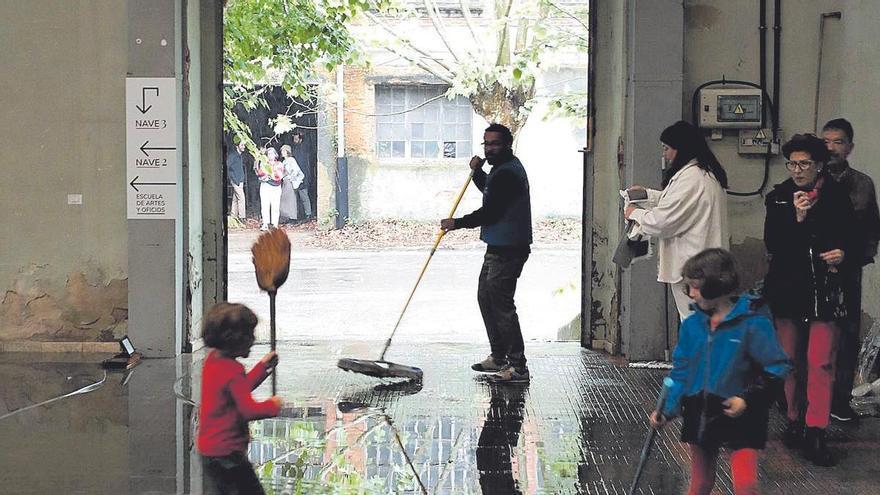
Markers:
point(756, 142)
point(738, 108)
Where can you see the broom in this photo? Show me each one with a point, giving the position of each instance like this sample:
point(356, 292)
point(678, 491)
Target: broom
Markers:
point(384, 369)
point(271, 256)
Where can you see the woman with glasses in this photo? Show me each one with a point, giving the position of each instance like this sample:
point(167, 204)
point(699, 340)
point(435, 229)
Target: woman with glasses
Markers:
point(808, 233)
point(690, 213)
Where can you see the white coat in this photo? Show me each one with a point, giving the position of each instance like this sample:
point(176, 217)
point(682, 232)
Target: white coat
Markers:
point(686, 217)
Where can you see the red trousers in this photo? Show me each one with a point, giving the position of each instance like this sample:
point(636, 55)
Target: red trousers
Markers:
point(743, 463)
point(818, 362)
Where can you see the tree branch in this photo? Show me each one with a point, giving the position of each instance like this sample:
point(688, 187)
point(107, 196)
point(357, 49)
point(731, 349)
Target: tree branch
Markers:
point(409, 44)
point(429, 100)
point(568, 14)
point(435, 20)
point(503, 42)
point(421, 65)
point(466, 12)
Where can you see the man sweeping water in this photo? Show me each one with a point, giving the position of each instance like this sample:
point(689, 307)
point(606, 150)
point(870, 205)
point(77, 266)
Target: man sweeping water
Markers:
point(505, 222)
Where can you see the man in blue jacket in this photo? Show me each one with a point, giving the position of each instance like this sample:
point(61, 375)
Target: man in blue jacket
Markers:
point(505, 222)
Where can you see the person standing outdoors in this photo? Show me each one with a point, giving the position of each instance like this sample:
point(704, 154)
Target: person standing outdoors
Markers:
point(838, 136)
point(690, 213)
point(505, 221)
point(300, 154)
point(293, 177)
point(235, 173)
point(270, 171)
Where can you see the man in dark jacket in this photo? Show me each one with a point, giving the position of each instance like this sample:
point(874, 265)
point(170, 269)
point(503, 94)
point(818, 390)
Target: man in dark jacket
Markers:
point(838, 136)
point(301, 155)
point(505, 222)
point(235, 173)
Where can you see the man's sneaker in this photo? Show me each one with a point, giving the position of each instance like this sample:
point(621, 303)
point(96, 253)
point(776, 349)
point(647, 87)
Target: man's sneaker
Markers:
point(511, 375)
point(489, 365)
point(845, 414)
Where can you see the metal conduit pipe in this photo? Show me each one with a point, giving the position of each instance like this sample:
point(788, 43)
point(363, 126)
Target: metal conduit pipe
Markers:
point(822, 18)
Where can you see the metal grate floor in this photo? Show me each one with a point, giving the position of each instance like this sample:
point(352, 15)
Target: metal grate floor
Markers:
point(577, 428)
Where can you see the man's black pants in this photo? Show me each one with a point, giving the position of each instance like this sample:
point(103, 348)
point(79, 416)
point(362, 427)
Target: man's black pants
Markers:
point(495, 291)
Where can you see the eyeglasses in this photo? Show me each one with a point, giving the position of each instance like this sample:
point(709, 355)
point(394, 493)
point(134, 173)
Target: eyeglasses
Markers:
point(793, 165)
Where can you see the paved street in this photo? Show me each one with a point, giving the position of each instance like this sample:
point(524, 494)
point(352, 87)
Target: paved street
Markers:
point(358, 295)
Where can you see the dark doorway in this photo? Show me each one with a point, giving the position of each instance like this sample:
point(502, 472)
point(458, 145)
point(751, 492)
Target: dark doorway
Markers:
point(259, 121)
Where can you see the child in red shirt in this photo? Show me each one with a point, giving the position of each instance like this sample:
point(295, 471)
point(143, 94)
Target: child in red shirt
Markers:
point(227, 405)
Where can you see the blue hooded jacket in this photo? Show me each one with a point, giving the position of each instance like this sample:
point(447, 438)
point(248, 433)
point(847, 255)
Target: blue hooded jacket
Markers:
point(723, 362)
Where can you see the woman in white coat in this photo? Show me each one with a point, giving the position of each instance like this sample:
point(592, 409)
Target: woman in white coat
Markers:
point(690, 213)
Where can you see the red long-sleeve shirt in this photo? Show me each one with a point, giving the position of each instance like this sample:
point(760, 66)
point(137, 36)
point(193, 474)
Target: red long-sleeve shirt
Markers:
point(227, 405)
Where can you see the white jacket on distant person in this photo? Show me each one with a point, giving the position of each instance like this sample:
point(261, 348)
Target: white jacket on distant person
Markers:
point(293, 172)
point(686, 217)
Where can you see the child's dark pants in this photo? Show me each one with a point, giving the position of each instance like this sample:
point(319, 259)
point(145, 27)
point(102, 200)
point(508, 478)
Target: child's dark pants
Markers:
point(230, 475)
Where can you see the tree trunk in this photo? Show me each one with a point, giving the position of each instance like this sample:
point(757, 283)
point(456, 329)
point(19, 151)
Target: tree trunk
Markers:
point(498, 104)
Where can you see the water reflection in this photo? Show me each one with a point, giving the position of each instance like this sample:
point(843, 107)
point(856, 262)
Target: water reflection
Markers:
point(499, 438)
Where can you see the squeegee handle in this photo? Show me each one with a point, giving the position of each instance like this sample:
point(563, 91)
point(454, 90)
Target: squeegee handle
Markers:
point(425, 266)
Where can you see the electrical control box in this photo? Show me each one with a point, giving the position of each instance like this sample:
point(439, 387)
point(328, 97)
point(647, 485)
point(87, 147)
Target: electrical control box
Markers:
point(731, 108)
point(756, 142)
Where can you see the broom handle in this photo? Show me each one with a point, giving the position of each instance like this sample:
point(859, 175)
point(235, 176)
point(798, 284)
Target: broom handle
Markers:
point(272, 337)
point(425, 266)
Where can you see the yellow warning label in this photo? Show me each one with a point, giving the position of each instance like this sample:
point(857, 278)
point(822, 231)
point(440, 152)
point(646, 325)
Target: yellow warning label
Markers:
point(760, 134)
point(739, 110)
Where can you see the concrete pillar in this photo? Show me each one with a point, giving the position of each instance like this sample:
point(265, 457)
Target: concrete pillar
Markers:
point(655, 42)
point(154, 265)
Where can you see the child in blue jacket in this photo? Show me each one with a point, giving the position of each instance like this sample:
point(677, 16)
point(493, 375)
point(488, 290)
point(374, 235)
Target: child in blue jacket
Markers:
point(726, 367)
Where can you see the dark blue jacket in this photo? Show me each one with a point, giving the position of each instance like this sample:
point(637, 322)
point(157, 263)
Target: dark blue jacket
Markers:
point(235, 167)
point(727, 361)
point(505, 219)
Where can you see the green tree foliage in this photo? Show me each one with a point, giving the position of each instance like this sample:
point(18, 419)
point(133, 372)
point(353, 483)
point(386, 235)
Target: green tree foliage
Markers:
point(282, 42)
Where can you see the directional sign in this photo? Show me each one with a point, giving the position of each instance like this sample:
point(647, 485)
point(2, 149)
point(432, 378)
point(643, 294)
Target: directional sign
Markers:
point(151, 147)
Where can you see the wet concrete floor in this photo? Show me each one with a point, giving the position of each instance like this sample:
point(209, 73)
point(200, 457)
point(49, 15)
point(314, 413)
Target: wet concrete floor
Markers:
point(577, 428)
point(360, 294)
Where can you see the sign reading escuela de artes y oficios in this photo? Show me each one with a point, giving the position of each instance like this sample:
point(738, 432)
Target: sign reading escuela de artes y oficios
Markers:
point(151, 147)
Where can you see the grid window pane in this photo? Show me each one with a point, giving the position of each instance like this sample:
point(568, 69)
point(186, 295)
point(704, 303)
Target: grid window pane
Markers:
point(432, 149)
point(385, 132)
point(398, 149)
point(439, 129)
point(418, 131)
point(417, 149)
point(384, 149)
point(449, 149)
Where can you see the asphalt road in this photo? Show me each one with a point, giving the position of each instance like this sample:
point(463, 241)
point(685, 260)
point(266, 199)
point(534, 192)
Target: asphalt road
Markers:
point(359, 294)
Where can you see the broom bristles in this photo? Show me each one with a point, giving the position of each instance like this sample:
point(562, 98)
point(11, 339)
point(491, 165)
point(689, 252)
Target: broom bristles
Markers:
point(271, 256)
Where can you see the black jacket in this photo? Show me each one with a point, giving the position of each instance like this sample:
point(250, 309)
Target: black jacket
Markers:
point(798, 284)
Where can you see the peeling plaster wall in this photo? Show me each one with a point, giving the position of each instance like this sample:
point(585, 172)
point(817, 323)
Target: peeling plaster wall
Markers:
point(63, 268)
point(606, 169)
point(721, 39)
